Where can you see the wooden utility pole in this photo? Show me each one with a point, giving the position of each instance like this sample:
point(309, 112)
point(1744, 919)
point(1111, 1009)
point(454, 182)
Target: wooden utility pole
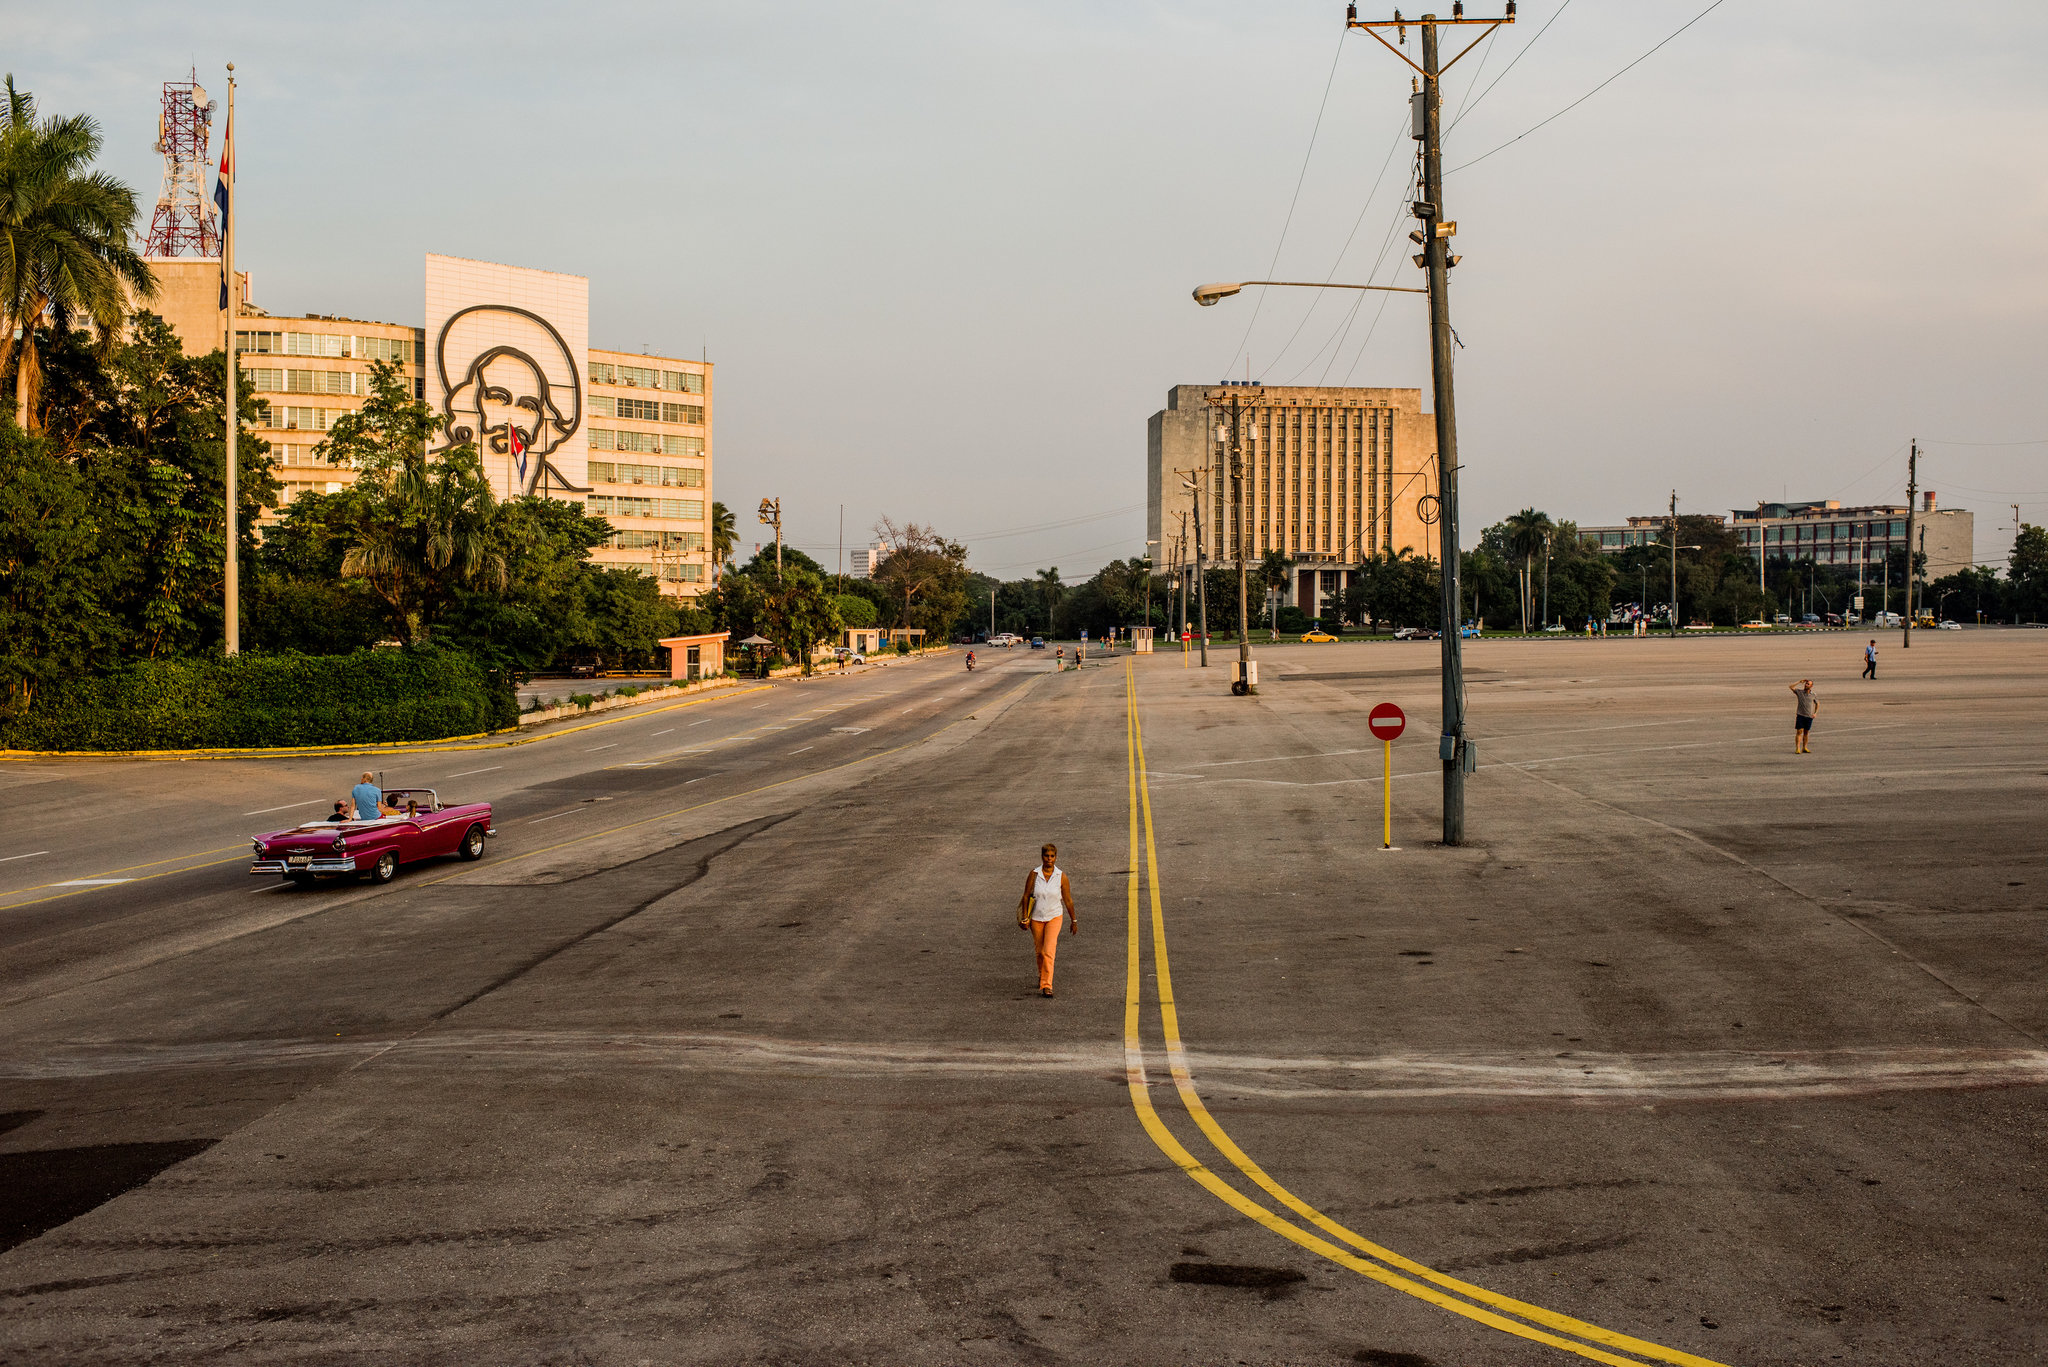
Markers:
point(1912, 490)
point(1434, 234)
point(1674, 564)
point(1242, 684)
point(1201, 492)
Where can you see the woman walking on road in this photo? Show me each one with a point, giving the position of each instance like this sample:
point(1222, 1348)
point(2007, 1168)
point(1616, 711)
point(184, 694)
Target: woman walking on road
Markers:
point(1802, 722)
point(1048, 899)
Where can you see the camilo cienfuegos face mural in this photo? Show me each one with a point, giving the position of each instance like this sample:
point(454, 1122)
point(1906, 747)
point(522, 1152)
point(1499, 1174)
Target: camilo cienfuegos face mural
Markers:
point(512, 387)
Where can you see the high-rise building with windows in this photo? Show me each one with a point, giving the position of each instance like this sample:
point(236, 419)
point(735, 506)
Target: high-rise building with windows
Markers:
point(1333, 477)
point(1822, 531)
point(504, 359)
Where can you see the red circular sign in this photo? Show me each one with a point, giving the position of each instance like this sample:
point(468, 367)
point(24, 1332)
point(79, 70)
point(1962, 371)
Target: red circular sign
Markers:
point(1387, 721)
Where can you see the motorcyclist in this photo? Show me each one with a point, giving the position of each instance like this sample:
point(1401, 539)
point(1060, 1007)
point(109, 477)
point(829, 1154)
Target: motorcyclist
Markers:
point(970, 662)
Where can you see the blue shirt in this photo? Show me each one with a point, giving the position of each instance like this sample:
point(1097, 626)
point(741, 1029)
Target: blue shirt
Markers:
point(367, 796)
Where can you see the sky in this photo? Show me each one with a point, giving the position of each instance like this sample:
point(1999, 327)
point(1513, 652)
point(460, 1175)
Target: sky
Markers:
point(942, 254)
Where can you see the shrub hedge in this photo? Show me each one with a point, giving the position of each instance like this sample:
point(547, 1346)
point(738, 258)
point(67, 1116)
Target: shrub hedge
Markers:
point(231, 702)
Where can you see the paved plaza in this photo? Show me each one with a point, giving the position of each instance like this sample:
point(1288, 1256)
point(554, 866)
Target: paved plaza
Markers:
point(730, 1051)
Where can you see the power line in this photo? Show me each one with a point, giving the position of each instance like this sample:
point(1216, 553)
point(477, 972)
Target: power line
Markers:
point(1400, 131)
point(1472, 104)
point(1052, 526)
point(1306, 157)
point(1590, 93)
point(2030, 441)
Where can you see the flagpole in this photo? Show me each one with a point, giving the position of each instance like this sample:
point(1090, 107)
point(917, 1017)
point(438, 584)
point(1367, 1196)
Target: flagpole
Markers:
point(233, 588)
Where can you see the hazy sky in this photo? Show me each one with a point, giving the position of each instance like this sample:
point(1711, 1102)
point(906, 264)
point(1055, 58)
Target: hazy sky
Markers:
point(942, 253)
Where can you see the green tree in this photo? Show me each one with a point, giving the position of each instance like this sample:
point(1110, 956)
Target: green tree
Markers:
point(1527, 531)
point(1395, 589)
point(143, 422)
point(1051, 589)
point(800, 614)
point(1273, 573)
point(64, 249)
point(854, 610)
point(52, 618)
point(724, 536)
point(926, 573)
point(423, 526)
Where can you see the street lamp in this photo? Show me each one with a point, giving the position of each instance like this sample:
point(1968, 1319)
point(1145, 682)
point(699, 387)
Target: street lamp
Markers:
point(1207, 295)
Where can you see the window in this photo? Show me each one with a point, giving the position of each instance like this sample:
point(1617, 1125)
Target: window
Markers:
point(603, 406)
point(682, 381)
point(308, 381)
point(683, 412)
point(673, 476)
point(602, 374)
point(296, 419)
point(385, 349)
point(603, 440)
point(640, 410)
point(605, 505)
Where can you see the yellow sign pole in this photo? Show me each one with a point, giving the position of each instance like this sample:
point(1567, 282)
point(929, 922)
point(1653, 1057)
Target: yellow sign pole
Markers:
point(1387, 796)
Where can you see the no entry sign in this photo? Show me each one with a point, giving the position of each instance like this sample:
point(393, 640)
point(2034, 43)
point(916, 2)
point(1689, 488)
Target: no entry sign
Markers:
point(1387, 722)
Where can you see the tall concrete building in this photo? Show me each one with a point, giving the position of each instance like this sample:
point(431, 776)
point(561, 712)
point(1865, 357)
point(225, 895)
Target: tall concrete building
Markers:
point(505, 359)
point(1333, 477)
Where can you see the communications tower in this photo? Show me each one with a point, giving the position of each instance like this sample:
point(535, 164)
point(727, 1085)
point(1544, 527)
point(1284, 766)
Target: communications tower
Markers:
point(184, 223)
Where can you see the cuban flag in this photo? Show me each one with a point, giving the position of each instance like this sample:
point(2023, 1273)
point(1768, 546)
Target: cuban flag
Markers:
point(221, 196)
point(517, 445)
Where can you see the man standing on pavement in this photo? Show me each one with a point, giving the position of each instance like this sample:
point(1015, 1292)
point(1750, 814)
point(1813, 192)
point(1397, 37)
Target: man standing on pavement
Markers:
point(1802, 723)
point(1870, 660)
point(1048, 899)
point(366, 795)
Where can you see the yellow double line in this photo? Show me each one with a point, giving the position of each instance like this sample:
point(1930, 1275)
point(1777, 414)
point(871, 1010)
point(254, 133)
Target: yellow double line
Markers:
point(1362, 1256)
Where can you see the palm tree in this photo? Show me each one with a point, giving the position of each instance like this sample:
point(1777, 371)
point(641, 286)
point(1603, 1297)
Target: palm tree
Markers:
point(1528, 530)
point(1273, 573)
point(724, 536)
point(64, 250)
point(432, 532)
point(1051, 589)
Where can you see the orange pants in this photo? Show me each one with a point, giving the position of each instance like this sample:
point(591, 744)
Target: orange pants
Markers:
point(1046, 934)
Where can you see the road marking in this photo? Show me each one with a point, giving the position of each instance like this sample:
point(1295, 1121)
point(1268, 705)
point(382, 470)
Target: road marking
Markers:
point(537, 820)
point(595, 748)
point(37, 855)
point(757, 706)
point(706, 722)
point(665, 732)
point(801, 749)
point(467, 772)
point(851, 730)
point(309, 802)
point(1435, 1287)
point(91, 882)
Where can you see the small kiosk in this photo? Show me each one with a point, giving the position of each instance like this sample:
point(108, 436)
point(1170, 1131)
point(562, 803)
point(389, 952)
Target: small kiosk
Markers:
point(691, 658)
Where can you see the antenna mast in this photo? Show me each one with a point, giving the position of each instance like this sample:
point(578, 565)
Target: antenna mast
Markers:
point(184, 223)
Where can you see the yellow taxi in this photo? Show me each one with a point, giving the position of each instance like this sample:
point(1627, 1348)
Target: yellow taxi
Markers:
point(1317, 637)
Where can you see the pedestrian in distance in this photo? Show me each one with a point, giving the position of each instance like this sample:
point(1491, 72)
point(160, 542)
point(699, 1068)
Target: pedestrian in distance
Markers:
point(367, 796)
point(1870, 660)
point(1047, 901)
point(1808, 705)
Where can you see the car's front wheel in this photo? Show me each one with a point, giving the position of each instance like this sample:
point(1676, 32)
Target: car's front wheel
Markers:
point(472, 846)
point(386, 867)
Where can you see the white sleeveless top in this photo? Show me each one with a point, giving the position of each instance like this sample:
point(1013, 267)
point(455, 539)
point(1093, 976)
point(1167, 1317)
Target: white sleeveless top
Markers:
point(1046, 902)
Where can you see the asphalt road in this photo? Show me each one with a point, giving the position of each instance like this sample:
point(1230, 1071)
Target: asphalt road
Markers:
point(730, 1050)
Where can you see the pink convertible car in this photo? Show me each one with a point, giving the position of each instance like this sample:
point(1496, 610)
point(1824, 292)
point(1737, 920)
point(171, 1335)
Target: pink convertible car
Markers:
point(340, 849)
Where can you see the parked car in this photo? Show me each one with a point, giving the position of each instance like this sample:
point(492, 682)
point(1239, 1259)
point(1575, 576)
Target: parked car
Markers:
point(1005, 639)
point(1947, 625)
point(1317, 637)
point(1555, 627)
point(1037, 642)
point(1834, 619)
point(1783, 619)
point(1469, 630)
point(847, 656)
point(423, 828)
point(1811, 619)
